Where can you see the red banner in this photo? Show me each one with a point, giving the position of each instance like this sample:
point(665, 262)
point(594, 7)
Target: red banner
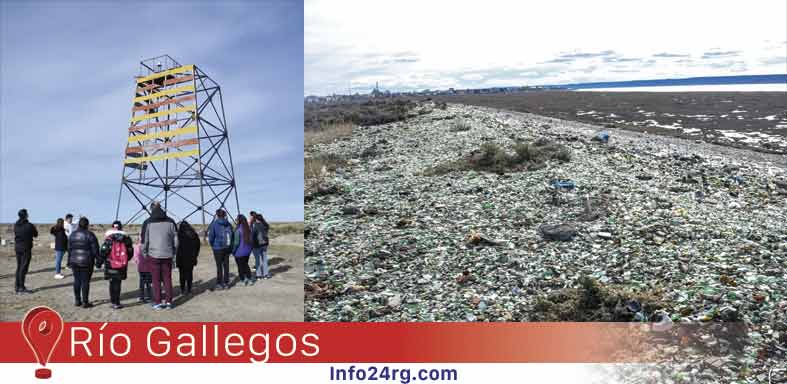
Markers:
point(135, 342)
point(47, 338)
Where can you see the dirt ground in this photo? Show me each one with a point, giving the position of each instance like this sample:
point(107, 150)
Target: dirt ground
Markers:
point(277, 299)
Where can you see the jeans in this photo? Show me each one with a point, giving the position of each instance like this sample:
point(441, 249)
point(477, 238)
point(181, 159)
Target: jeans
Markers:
point(186, 278)
point(82, 277)
point(145, 279)
point(222, 257)
point(22, 265)
point(58, 260)
point(162, 272)
point(114, 291)
point(244, 272)
point(261, 261)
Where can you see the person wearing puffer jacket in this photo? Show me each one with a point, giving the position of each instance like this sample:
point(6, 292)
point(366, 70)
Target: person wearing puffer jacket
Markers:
point(117, 273)
point(220, 235)
point(82, 255)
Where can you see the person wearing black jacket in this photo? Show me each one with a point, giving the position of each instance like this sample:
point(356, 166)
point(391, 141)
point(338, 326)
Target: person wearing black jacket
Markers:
point(82, 254)
point(116, 273)
point(188, 251)
point(61, 245)
point(24, 233)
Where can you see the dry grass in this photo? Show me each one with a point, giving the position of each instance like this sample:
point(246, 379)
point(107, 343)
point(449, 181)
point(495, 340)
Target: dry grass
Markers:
point(328, 133)
point(278, 229)
point(369, 112)
point(316, 168)
point(592, 301)
point(490, 157)
point(460, 126)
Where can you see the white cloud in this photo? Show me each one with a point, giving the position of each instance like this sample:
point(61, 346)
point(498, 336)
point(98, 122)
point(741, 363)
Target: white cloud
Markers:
point(465, 39)
point(472, 76)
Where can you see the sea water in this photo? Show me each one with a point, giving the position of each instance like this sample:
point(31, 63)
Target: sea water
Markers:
point(781, 87)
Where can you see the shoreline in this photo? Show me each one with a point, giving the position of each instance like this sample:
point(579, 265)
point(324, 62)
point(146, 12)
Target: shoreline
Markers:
point(764, 87)
point(678, 143)
point(755, 120)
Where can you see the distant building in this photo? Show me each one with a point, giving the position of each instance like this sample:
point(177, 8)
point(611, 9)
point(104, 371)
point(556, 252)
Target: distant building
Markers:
point(377, 93)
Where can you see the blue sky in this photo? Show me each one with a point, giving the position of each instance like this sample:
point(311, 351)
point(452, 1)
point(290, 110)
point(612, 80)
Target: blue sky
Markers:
point(412, 45)
point(67, 69)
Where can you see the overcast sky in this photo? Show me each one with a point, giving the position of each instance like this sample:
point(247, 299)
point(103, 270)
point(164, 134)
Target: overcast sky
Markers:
point(67, 74)
point(411, 44)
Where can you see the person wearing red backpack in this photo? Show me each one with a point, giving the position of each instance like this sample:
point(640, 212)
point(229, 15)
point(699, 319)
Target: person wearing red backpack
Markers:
point(117, 250)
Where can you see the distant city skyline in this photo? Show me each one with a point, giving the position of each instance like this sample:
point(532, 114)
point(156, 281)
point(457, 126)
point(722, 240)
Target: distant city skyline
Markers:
point(407, 45)
point(776, 82)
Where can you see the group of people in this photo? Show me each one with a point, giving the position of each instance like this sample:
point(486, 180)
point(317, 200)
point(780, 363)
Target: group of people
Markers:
point(161, 241)
point(250, 237)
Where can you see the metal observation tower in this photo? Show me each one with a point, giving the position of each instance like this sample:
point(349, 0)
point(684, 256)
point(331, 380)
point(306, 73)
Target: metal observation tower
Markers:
point(178, 149)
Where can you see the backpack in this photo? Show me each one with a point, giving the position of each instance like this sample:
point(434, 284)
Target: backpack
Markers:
point(223, 237)
point(118, 256)
point(260, 238)
point(235, 244)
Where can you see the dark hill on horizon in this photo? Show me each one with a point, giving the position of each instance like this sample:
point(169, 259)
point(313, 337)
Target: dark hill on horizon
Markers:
point(704, 80)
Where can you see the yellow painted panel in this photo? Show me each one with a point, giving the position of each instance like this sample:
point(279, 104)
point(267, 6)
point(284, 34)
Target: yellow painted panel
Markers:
point(181, 69)
point(171, 155)
point(190, 108)
point(187, 88)
point(158, 135)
